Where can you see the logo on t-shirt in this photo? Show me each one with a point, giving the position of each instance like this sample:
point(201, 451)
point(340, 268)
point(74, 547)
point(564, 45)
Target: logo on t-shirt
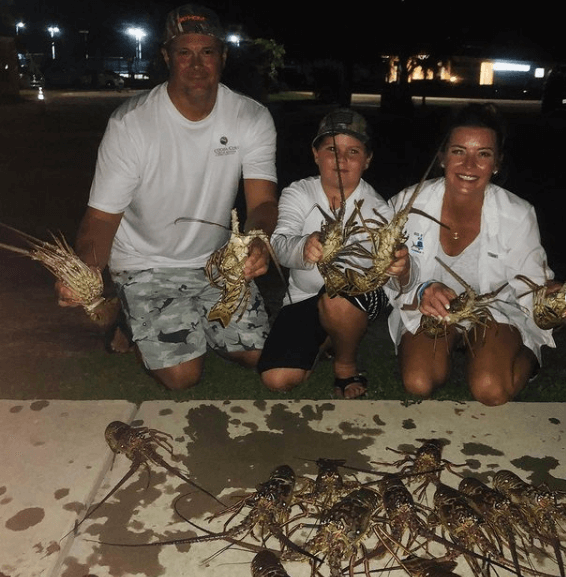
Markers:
point(225, 150)
point(417, 245)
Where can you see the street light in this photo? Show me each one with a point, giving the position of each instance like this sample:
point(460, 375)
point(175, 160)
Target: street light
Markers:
point(53, 30)
point(234, 39)
point(18, 26)
point(138, 34)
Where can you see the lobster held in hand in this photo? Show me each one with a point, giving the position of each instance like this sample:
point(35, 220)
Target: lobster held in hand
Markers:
point(549, 304)
point(467, 307)
point(225, 269)
point(62, 262)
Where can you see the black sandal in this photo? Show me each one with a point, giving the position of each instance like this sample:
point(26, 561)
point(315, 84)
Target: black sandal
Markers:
point(342, 384)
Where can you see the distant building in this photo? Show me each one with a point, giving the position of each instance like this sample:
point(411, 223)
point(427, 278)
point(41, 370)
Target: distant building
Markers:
point(511, 66)
point(9, 81)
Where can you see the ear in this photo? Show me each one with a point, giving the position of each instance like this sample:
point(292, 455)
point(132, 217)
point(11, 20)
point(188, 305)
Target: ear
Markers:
point(440, 159)
point(165, 55)
point(370, 156)
point(315, 154)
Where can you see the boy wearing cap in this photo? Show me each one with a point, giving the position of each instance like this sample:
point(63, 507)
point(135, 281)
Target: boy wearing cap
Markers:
point(180, 150)
point(342, 151)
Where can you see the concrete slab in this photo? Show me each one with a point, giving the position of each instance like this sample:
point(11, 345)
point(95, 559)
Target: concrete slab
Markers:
point(52, 462)
point(229, 447)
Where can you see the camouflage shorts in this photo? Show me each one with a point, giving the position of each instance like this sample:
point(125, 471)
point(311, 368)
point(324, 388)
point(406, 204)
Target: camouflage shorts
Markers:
point(167, 311)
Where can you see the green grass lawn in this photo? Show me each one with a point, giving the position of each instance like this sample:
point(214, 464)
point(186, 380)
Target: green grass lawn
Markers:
point(100, 375)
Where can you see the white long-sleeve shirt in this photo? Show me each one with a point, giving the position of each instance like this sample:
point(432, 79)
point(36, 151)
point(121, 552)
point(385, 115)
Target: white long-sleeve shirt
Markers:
point(509, 244)
point(299, 216)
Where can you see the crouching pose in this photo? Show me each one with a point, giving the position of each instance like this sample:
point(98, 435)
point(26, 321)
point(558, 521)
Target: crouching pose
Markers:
point(493, 236)
point(342, 151)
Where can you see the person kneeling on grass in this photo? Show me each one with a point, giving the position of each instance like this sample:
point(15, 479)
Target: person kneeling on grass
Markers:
point(309, 318)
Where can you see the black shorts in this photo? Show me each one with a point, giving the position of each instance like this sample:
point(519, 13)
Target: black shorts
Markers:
point(296, 335)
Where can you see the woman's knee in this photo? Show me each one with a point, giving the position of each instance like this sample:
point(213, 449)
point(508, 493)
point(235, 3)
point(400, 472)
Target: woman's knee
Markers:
point(283, 380)
point(418, 384)
point(490, 390)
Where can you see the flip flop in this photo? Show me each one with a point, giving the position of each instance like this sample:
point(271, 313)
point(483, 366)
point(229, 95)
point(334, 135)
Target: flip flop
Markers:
point(340, 386)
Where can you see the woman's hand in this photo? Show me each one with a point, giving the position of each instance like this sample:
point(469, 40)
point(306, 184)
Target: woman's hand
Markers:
point(435, 300)
point(312, 251)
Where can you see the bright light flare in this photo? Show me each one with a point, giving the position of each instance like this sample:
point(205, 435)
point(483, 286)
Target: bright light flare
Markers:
point(138, 34)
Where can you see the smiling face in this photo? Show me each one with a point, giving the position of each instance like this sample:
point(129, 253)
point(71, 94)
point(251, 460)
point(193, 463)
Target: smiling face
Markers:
point(195, 64)
point(470, 159)
point(353, 159)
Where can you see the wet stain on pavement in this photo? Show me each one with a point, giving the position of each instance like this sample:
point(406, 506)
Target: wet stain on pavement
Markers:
point(480, 449)
point(25, 519)
point(39, 405)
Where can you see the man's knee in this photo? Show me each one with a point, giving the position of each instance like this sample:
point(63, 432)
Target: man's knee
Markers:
point(246, 359)
point(182, 376)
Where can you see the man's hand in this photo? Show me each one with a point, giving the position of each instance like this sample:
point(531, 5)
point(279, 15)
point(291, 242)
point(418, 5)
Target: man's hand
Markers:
point(65, 296)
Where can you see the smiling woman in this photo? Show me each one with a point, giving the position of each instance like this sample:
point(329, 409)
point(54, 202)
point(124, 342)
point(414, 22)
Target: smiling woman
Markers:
point(490, 236)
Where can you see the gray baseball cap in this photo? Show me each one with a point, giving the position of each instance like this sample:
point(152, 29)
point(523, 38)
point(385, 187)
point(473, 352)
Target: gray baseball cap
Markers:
point(344, 121)
point(193, 18)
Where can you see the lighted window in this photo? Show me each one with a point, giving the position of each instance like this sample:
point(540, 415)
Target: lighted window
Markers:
point(486, 73)
point(511, 67)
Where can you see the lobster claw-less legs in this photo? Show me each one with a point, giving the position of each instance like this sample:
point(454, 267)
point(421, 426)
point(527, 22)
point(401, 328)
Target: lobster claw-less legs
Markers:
point(498, 364)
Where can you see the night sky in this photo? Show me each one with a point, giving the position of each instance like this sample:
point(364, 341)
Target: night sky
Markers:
point(357, 30)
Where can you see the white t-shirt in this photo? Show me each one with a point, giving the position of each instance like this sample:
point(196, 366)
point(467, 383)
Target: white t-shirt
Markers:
point(156, 166)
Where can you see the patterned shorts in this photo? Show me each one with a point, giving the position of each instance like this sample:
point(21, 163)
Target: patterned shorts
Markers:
point(297, 334)
point(167, 311)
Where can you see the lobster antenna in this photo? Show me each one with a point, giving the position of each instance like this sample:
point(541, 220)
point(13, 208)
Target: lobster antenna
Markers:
point(340, 182)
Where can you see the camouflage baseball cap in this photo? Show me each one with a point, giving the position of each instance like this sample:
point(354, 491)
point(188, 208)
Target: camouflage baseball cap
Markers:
point(344, 121)
point(193, 18)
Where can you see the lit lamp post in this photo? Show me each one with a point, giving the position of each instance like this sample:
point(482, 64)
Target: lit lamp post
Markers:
point(19, 25)
point(53, 30)
point(138, 34)
point(234, 39)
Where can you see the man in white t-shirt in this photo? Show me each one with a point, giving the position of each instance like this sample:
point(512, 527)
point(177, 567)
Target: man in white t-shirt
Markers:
point(180, 150)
